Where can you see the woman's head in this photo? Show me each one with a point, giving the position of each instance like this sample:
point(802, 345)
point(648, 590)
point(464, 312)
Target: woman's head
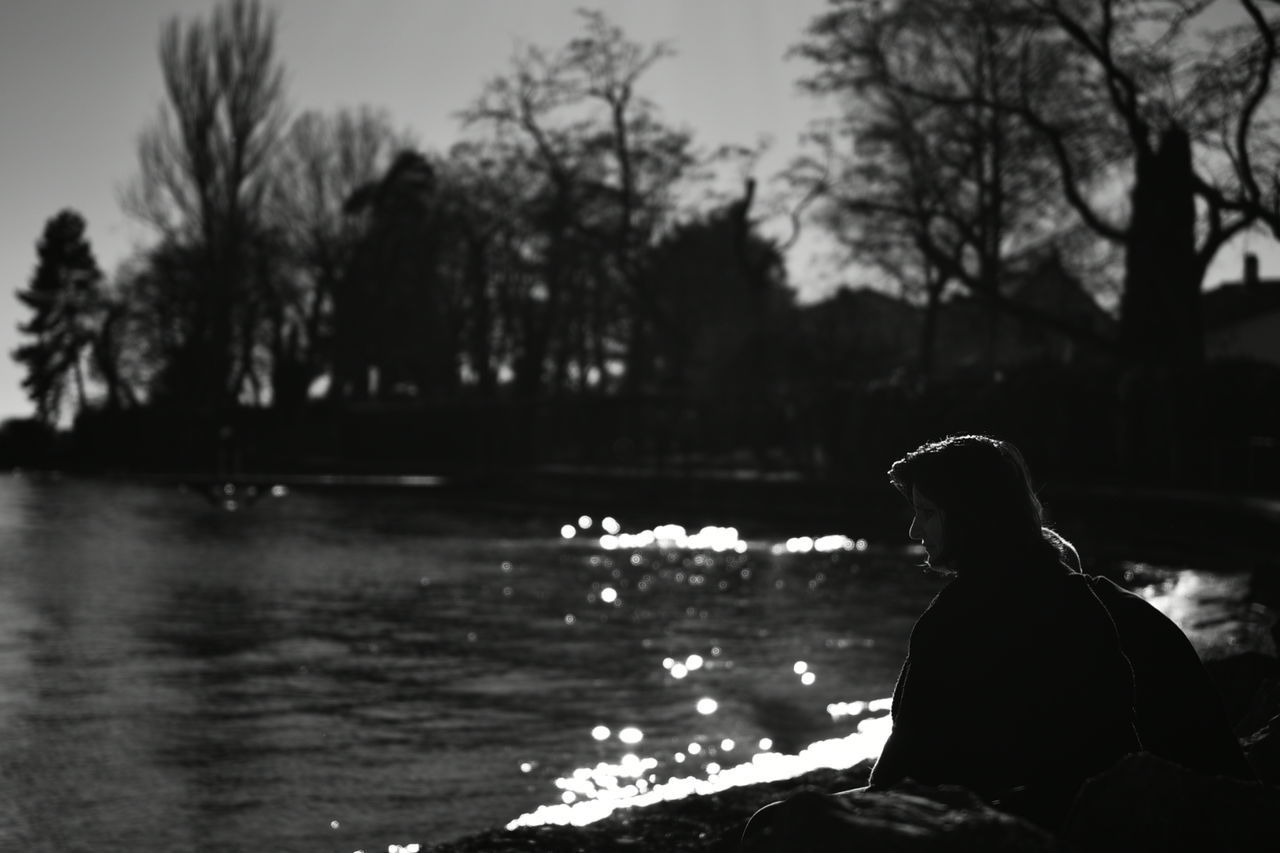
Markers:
point(974, 502)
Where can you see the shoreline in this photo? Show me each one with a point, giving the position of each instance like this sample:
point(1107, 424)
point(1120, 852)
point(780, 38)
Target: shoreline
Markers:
point(1109, 524)
point(712, 823)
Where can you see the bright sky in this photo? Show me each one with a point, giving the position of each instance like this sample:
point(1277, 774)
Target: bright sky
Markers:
point(81, 79)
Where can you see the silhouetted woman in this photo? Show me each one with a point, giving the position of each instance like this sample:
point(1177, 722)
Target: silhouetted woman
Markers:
point(1014, 685)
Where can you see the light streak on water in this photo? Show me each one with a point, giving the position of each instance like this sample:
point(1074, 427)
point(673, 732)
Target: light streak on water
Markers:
point(589, 794)
point(668, 536)
point(1211, 608)
point(709, 538)
point(599, 791)
point(857, 709)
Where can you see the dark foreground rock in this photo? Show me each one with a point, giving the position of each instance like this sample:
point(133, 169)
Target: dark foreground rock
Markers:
point(1143, 803)
point(913, 819)
point(708, 824)
point(1146, 803)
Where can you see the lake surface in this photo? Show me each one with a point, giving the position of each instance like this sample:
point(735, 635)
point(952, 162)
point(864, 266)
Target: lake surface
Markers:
point(341, 671)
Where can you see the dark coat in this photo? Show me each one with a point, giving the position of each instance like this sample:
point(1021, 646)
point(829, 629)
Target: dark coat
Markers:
point(1012, 683)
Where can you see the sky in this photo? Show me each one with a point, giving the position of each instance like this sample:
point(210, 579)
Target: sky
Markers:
point(80, 78)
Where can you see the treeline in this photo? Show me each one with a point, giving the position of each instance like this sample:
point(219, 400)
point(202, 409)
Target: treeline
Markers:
point(551, 252)
point(558, 256)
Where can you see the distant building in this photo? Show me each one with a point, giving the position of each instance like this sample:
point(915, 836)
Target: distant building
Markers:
point(874, 333)
point(1242, 318)
point(972, 332)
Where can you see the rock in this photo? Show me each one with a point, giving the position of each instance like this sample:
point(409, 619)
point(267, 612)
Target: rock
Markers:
point(1250, 687)
point(1262, 748)
point(1147, 803)
point(906, 819)
point(702, 824)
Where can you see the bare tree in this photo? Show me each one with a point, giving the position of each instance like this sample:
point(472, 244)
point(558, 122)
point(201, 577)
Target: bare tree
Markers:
point(1177, 108)
point(320, 162)
point(922, 176)
point(203, 178)
point(605, 167)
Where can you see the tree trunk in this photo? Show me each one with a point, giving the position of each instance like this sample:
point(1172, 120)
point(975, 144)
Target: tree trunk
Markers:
point(1160, 317)
point(482, 325)
point(79, 376)
point(929, 327)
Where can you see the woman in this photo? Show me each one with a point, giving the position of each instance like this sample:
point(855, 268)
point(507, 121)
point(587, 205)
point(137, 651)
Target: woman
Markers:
point(1014, 684)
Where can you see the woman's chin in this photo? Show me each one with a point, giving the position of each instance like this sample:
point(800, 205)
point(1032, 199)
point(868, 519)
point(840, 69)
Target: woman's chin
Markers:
point(937, 565)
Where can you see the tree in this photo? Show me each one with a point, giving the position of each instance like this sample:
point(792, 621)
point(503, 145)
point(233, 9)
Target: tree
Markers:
point(320, 162)
point(1189, 107)
point(64, 293)
point(476, 198)
point(153, 340)
point(639, 162)
point(396, 303)
point(922, 176)
point(204, 175)
point(107, 353)
point(1176, 106)
point(602, 168)
point(718, 288)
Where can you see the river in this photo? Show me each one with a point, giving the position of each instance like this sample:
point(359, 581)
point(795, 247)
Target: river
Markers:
point(345, 670)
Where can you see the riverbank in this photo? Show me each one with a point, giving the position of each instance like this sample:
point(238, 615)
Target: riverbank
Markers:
point(1157, 802)
point(710, 823)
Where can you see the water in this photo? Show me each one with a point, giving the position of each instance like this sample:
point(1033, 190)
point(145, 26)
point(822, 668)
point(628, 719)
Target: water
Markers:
point(339, 671)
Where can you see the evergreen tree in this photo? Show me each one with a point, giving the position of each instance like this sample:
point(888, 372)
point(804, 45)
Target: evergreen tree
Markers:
point(63, 293)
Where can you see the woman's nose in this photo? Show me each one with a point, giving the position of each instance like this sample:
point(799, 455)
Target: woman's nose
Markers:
point(912, 531)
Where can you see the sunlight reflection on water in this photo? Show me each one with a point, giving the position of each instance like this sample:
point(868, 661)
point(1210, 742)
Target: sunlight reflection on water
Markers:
point(589, 794)
point(593, 793)
point(1211, 608)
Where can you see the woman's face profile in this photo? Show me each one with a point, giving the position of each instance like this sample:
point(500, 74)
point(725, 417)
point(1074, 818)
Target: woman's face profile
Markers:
point(927, 525)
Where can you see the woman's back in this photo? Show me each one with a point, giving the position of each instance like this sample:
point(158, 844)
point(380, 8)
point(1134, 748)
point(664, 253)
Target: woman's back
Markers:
point(1011, 683)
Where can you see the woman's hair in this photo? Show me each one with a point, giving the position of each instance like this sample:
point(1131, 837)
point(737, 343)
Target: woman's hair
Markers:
point(993, 518)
